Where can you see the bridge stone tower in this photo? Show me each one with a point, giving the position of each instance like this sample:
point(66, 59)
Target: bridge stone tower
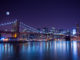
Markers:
point(16, 29)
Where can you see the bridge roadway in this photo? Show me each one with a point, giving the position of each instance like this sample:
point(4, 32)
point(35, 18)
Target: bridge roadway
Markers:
point(9, 32)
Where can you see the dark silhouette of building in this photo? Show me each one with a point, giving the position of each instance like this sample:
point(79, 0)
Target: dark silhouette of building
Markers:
point(77, 29)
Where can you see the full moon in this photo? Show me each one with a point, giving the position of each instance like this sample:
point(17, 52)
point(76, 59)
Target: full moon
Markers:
point(7, 13)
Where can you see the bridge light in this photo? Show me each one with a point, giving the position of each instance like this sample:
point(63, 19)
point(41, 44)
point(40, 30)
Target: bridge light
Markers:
point(6, 39)
point(15, 35)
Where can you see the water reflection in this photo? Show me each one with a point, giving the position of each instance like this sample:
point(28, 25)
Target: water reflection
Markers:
point(74, 50)
point(51, 50)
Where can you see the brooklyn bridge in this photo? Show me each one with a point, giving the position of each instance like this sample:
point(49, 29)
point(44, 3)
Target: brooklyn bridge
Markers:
point(17, 30)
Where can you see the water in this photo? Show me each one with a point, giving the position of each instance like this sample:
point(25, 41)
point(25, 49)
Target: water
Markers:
point(52, 50)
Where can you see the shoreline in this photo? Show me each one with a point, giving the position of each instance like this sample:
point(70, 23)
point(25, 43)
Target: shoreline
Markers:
point(29, 41)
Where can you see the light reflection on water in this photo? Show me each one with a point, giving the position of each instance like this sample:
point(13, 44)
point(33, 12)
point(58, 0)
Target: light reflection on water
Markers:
point(57, 50)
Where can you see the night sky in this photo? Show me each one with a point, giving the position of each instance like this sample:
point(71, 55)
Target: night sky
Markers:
point(42, 13)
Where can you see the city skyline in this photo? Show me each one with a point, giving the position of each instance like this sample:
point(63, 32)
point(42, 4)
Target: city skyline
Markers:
point(39, 30)
point(59, 14)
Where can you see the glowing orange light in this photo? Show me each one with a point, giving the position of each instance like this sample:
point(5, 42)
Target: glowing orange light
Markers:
point(15, 35)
